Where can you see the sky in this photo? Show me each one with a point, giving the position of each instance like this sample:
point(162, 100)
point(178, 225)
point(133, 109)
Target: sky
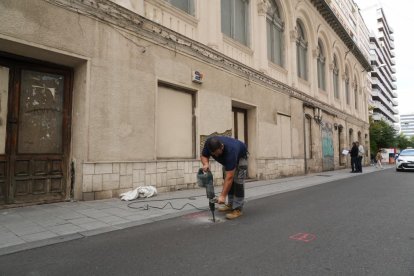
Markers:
point(399, 14)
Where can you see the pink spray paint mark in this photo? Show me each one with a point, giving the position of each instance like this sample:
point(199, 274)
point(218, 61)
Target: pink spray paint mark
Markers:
point(195, 215)
point(305, 237)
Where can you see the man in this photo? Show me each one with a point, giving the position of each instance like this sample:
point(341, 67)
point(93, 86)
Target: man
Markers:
point(354, 157)
point(232, 154)
point(361, 153)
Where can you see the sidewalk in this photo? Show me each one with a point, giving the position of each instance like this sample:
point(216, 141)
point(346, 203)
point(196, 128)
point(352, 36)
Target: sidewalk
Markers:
point(40, 225)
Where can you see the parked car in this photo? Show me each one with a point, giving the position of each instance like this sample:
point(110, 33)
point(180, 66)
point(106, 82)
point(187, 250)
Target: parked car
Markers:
point(405, 160)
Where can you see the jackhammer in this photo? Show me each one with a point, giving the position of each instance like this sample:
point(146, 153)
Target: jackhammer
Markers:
point(205, 179)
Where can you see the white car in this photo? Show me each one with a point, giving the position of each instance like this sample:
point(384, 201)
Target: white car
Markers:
point(405, 160)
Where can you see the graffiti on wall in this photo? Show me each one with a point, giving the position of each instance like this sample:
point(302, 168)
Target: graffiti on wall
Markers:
point(327, 147)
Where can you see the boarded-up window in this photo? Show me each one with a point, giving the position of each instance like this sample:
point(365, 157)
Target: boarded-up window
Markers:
point(4, 92)
point(285, 136)
point(308, 137)
point(175, 127)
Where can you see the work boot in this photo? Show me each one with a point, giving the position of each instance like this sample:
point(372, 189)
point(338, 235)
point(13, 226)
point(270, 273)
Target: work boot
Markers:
point(234, 214)
point(225, 208)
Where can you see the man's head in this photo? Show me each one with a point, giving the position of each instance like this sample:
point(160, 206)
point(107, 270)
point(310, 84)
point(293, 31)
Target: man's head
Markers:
point(357, 143)
point(215, 147)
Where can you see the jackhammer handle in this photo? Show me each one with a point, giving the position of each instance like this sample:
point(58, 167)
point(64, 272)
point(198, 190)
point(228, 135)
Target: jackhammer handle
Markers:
point(214, 200)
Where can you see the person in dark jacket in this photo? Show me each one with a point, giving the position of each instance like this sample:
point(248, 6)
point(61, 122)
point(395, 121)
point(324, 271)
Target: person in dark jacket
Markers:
point(361, 153)
point(354, 157)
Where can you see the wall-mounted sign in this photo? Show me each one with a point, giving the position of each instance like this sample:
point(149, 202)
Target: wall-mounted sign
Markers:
point(197, 76)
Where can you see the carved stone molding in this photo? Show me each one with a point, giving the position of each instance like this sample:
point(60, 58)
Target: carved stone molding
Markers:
point(315, 52)
point(293, 35)
point(134, 25)
point(262, 6)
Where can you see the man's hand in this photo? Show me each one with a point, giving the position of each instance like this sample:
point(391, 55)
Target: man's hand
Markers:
point(228, 181)
point(205, 162)
point(221, 199)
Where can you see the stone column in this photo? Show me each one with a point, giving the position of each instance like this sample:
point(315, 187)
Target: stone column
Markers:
point(209, 23)
point(260, 35)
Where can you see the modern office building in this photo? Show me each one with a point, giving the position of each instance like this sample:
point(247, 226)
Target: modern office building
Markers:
point(407, 124)
point(384, 88)
point(99, 97)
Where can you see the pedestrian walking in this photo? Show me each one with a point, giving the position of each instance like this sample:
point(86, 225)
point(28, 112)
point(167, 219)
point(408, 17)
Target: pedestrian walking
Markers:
point(232, 154)
point(378, 158)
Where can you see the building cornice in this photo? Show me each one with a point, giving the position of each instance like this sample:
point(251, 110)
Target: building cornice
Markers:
point(122, 18)
point(327, 13)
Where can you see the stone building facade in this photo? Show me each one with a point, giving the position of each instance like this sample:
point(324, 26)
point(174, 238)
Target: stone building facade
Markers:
point(99, 96)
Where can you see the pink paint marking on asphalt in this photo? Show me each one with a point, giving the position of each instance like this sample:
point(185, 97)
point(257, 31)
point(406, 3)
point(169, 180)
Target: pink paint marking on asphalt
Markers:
point(196, 215)
point(305, 237)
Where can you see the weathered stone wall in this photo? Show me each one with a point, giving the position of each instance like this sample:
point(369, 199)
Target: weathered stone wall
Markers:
point(271, 168)
point(106, 180)
point(118, 59)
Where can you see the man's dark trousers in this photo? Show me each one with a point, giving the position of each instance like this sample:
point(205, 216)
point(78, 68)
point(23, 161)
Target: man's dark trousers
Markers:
point(354, 163)
point(359, 164)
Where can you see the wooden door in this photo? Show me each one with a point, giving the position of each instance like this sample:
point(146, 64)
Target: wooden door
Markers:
point(38, 132)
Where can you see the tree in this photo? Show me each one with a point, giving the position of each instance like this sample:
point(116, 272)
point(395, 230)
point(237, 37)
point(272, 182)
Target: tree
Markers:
point(402, 141)
point(382, 135)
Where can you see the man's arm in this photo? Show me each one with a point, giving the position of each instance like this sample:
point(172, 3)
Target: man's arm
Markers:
point(206, 162)
point(228, 181)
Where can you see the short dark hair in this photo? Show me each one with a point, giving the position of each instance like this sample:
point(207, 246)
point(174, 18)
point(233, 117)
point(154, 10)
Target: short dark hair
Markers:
point(213, 144)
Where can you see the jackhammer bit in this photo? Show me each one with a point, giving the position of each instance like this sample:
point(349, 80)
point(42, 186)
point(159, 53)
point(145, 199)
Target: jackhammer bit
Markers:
point(205, 179)
point(211, 199)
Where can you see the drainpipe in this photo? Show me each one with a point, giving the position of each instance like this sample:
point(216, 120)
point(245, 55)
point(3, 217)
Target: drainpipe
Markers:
point(72, 180)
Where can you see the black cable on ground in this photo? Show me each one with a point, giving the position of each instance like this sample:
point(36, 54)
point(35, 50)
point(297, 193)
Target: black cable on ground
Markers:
point(146, 207)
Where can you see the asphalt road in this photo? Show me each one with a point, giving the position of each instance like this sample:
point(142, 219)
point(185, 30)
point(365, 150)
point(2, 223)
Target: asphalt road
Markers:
point(358, 226)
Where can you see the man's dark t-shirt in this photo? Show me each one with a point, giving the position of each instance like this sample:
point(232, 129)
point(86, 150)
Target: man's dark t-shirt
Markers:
point(233, 151)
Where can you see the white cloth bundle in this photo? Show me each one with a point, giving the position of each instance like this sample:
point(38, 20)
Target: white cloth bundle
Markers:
point(141, 191)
